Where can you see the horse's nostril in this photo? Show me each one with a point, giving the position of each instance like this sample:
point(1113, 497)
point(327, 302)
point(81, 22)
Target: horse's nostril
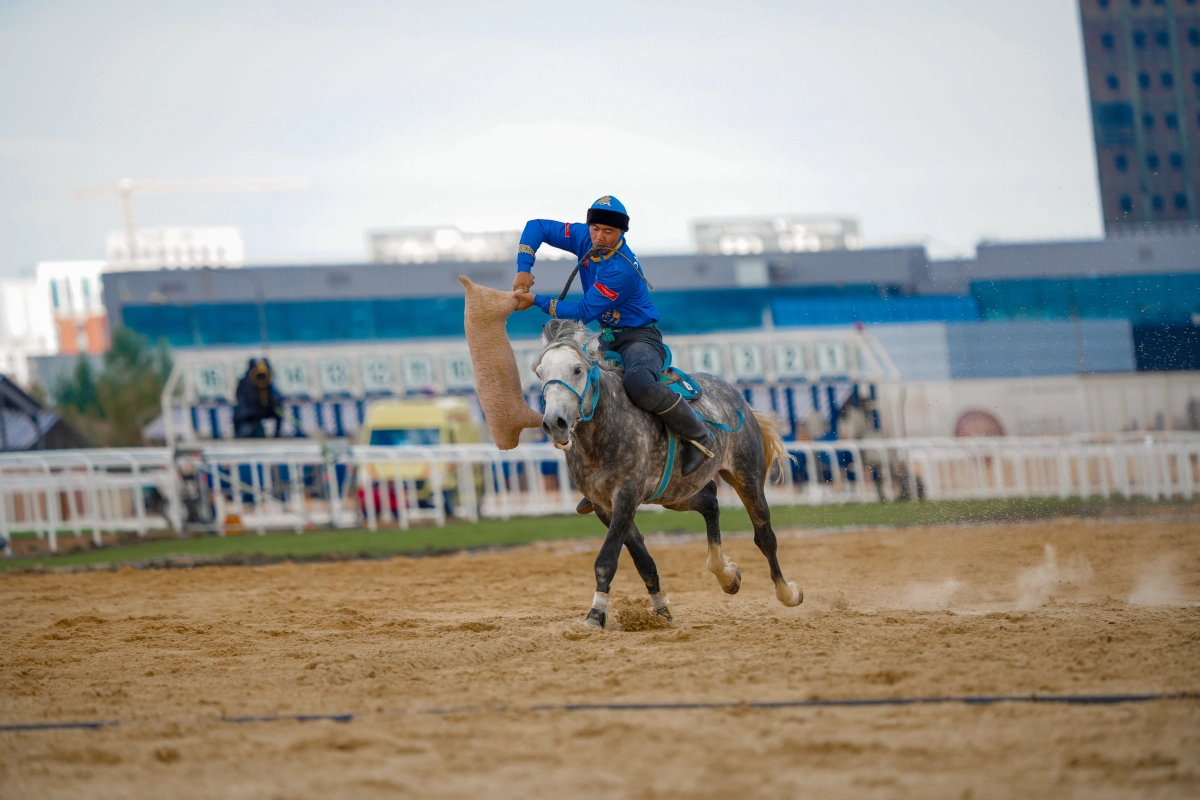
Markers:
point(561, 423)
point(546, 427)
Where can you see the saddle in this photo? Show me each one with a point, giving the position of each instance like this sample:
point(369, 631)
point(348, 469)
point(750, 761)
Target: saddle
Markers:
point(675, 379)
point(683, 385)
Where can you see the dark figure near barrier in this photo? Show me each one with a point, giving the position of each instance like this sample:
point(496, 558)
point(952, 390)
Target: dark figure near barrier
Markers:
point(257, 401)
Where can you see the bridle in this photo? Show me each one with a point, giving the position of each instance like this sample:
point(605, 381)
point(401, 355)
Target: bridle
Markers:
point(592, 382)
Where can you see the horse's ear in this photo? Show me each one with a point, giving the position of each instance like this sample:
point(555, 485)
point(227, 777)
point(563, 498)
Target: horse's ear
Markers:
point(548, 333)
point(581, 335)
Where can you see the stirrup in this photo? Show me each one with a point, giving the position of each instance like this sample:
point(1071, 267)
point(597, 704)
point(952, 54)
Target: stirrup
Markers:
point(691, 461)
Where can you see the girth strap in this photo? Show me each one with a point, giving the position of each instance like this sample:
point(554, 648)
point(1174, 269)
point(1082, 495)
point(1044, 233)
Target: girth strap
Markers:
point(670, 465)
point(672, 439)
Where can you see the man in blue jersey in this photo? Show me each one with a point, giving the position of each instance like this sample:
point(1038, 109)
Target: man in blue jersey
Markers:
point(617, 295)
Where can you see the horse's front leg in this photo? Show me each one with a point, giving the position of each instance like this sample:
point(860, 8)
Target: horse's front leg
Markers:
point(635, 543)
point(619, 522)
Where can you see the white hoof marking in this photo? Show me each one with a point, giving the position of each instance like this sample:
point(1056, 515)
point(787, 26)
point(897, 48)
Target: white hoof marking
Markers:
point(789, 594)
point(600, 601)
point(720, 565)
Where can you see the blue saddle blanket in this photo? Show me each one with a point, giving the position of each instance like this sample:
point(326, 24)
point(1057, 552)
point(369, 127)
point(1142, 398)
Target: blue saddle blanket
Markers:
point(676, 379)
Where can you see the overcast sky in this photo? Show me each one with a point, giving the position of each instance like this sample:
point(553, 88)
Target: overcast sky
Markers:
point(944, 121)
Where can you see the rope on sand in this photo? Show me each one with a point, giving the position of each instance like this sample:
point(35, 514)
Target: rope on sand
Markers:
point(974, 700)
point(977, 700)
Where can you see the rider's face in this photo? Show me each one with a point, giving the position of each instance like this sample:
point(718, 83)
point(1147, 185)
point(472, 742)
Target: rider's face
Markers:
point(604, 235)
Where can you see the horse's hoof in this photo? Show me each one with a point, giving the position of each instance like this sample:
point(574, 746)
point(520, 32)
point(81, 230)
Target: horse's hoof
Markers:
point(789, 594)
point(737, 584)
point(665, 611)
point(596, 619)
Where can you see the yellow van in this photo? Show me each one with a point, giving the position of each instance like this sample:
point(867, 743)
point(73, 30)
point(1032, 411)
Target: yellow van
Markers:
point(441, 420)
point(425, 422)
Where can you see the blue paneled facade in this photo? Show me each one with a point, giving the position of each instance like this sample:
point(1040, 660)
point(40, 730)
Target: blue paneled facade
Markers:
point(1147, 302)
point(219, 324)
point(879, 310)
point(1038, 348)
point(1141, 299)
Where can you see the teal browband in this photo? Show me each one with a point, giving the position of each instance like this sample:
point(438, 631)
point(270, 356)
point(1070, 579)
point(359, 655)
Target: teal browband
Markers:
point(593, 379)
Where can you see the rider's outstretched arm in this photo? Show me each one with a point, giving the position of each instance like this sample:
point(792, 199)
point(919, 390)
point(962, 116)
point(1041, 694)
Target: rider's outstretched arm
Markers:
point(570, 236)
point(601, 296)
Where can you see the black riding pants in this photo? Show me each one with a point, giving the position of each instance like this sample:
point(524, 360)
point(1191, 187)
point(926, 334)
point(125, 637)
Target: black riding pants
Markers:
point(643, 353)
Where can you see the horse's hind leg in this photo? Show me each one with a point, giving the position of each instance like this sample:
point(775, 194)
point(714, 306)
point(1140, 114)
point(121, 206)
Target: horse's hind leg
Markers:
point(705, 501)
point(635, 543)
point(750, 491)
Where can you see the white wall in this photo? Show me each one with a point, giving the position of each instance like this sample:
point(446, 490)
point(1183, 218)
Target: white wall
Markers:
point(918, 349)
point(176, 248)
point(26, 327)
point(71, 289)
point(1046, 406)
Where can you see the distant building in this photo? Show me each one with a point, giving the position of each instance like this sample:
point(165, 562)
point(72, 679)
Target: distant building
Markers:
point(60, 314)
point(429, 245)
point(1150, 281)
point(26, 328)
point(73, 292)
point(1143, 70)
point(175, 248)
point(742, 236)
point(1142, 255)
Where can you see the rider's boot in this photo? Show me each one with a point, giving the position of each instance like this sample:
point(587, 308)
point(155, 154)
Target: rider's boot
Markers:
point(698, 439)
point(584, 507)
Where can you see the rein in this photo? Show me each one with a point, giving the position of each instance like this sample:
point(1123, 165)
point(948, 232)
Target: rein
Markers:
point(597, 248)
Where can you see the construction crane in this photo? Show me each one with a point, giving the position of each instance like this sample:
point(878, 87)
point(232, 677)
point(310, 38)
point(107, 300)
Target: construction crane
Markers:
point(126, 188)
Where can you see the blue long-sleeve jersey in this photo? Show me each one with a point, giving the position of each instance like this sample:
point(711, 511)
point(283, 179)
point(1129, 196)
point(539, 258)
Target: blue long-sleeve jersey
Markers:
point(614, 291)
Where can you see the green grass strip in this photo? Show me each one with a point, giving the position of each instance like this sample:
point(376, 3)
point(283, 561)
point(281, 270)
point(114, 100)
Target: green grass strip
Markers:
point(492, 533)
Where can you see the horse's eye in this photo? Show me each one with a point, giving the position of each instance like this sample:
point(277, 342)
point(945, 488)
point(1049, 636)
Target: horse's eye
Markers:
point(579, 370)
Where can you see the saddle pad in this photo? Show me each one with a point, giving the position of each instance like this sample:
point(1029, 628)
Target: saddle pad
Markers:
point(681, 383)
point(676, 379)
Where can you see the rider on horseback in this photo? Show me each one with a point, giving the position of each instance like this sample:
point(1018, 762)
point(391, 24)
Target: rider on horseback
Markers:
point(615, 293)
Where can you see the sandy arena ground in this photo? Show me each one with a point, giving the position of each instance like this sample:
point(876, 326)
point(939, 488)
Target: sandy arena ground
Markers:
point(1067, 607)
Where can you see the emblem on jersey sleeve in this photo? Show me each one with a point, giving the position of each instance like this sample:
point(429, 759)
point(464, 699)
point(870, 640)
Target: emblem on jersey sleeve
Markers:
point(607, 292)
point(526, 249)
point(567, 230)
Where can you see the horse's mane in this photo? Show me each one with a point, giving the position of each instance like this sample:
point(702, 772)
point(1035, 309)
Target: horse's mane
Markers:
point(574, 335)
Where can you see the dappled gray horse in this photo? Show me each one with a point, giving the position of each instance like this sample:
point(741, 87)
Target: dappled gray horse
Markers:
point(617, 453)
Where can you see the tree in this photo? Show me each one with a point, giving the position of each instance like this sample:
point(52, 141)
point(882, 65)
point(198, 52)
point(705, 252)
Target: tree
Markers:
point(115, 406)
point(78, 390)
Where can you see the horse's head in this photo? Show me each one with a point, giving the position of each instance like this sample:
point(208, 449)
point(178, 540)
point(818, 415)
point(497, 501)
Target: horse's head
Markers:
point(570, 381)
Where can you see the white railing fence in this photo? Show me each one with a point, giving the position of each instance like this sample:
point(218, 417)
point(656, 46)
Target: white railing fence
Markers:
point(301, 485)
point(1161, 467)
point(54, 491)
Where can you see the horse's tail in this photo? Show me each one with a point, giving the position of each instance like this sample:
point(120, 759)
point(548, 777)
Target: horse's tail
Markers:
point(773, 447)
